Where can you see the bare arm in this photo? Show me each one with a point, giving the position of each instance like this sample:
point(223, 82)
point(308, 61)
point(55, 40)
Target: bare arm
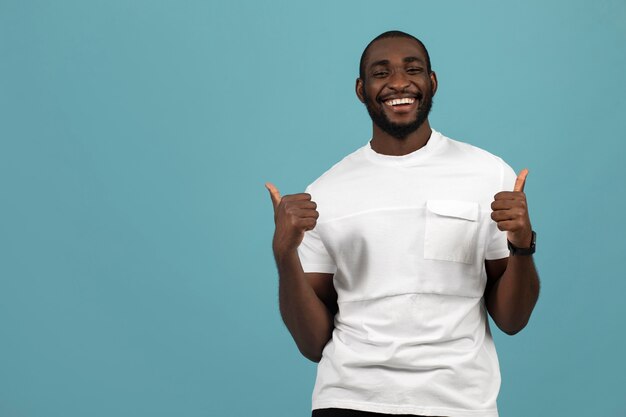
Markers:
point(307, 301)
point(512, 283)
point(512, 291)
point(309, 320)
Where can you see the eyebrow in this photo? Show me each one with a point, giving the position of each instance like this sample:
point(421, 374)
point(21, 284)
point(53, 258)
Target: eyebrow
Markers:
point(406, 60)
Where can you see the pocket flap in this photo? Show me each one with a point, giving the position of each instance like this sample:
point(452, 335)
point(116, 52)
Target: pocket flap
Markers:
point(467, 210)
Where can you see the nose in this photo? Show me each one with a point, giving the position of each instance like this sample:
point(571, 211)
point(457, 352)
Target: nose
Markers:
point(398, 81)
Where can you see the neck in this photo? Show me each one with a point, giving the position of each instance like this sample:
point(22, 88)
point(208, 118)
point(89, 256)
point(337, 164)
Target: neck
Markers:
point(383, 143)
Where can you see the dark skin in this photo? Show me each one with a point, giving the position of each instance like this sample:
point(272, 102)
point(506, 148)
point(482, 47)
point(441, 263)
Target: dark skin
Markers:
point(395, 69)
point(308, 301)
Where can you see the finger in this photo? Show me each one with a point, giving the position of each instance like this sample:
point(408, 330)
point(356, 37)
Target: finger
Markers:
point(296, 197)
point(297, 204)
point(508, 225)
point(506, 195)
point(305, 213)
point(309, 223)
point(503, 215)
point(521, 180)
point(507, 204)
point(274, 194)
point(304, 223)
point(501, 205)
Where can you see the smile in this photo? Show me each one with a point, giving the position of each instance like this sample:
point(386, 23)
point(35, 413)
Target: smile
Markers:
point(399, 101)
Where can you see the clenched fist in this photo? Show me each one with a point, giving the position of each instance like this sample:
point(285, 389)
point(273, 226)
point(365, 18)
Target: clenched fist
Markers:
point(293, 214)
point(510, 212)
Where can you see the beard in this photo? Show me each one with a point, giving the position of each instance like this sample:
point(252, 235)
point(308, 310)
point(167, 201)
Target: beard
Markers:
point(399, 130)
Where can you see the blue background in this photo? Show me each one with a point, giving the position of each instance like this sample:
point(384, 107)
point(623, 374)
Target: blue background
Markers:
point(136, 274)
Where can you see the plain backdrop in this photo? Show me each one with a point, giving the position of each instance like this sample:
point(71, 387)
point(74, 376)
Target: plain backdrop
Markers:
point(136, 273)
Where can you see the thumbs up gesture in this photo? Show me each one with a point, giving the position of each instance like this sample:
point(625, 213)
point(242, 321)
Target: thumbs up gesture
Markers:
point(293, 215)
point(510, 212)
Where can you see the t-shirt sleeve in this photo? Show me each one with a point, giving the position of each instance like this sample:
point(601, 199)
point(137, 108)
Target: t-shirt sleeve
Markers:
point(313, 254)
point(497, 247)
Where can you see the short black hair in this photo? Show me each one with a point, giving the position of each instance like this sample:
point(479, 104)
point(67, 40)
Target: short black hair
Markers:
point(390, 34)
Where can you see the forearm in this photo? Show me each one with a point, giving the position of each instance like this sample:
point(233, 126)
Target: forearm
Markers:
point(513, 296)
point(308, 319)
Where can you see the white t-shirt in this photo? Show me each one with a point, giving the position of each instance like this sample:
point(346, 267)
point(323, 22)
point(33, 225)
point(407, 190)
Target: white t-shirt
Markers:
point(406, 238)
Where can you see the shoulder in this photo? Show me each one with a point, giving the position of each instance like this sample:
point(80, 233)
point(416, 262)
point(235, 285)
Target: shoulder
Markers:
point(339, 173)
point(340, 184)
point(464, 150)
point(476, 159)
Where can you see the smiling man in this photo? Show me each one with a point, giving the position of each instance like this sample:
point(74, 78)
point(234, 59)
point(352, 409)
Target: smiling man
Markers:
point(390, 261)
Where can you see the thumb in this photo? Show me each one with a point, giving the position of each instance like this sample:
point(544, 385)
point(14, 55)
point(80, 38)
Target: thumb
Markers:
point(274, 194)
point(521, 180)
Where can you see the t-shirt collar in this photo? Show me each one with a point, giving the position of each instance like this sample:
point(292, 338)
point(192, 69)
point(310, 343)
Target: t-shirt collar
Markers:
point(412, 158)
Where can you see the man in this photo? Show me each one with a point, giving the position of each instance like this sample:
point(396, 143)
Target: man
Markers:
point(386, 278)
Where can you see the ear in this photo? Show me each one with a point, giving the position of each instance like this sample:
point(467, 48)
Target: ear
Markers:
point(359, 90)
point(433, 81)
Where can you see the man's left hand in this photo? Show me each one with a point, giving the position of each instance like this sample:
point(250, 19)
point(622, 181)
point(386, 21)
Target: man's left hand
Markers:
point(510, 212)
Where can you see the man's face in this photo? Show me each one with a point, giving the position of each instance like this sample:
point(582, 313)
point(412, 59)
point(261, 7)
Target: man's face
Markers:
point(397, 90)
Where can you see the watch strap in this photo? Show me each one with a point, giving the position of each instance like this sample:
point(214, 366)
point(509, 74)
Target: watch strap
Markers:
point(515, 251)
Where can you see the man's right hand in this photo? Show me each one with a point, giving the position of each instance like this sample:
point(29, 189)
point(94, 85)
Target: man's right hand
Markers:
point(293, 215)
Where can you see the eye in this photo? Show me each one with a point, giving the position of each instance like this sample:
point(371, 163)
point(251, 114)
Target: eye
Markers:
point(380, 74)
point(415, 70)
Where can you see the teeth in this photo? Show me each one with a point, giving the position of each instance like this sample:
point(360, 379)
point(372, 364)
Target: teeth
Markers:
point(397, 101)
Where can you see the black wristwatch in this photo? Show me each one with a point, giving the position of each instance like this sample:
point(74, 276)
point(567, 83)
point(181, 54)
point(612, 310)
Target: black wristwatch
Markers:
point(515, 251)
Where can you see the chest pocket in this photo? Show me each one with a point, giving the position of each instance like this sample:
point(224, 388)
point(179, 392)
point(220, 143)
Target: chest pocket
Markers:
point(451, 230)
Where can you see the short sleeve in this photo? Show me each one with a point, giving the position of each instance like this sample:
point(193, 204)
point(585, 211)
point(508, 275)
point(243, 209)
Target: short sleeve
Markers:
point(497, 246)
point(313, 254)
